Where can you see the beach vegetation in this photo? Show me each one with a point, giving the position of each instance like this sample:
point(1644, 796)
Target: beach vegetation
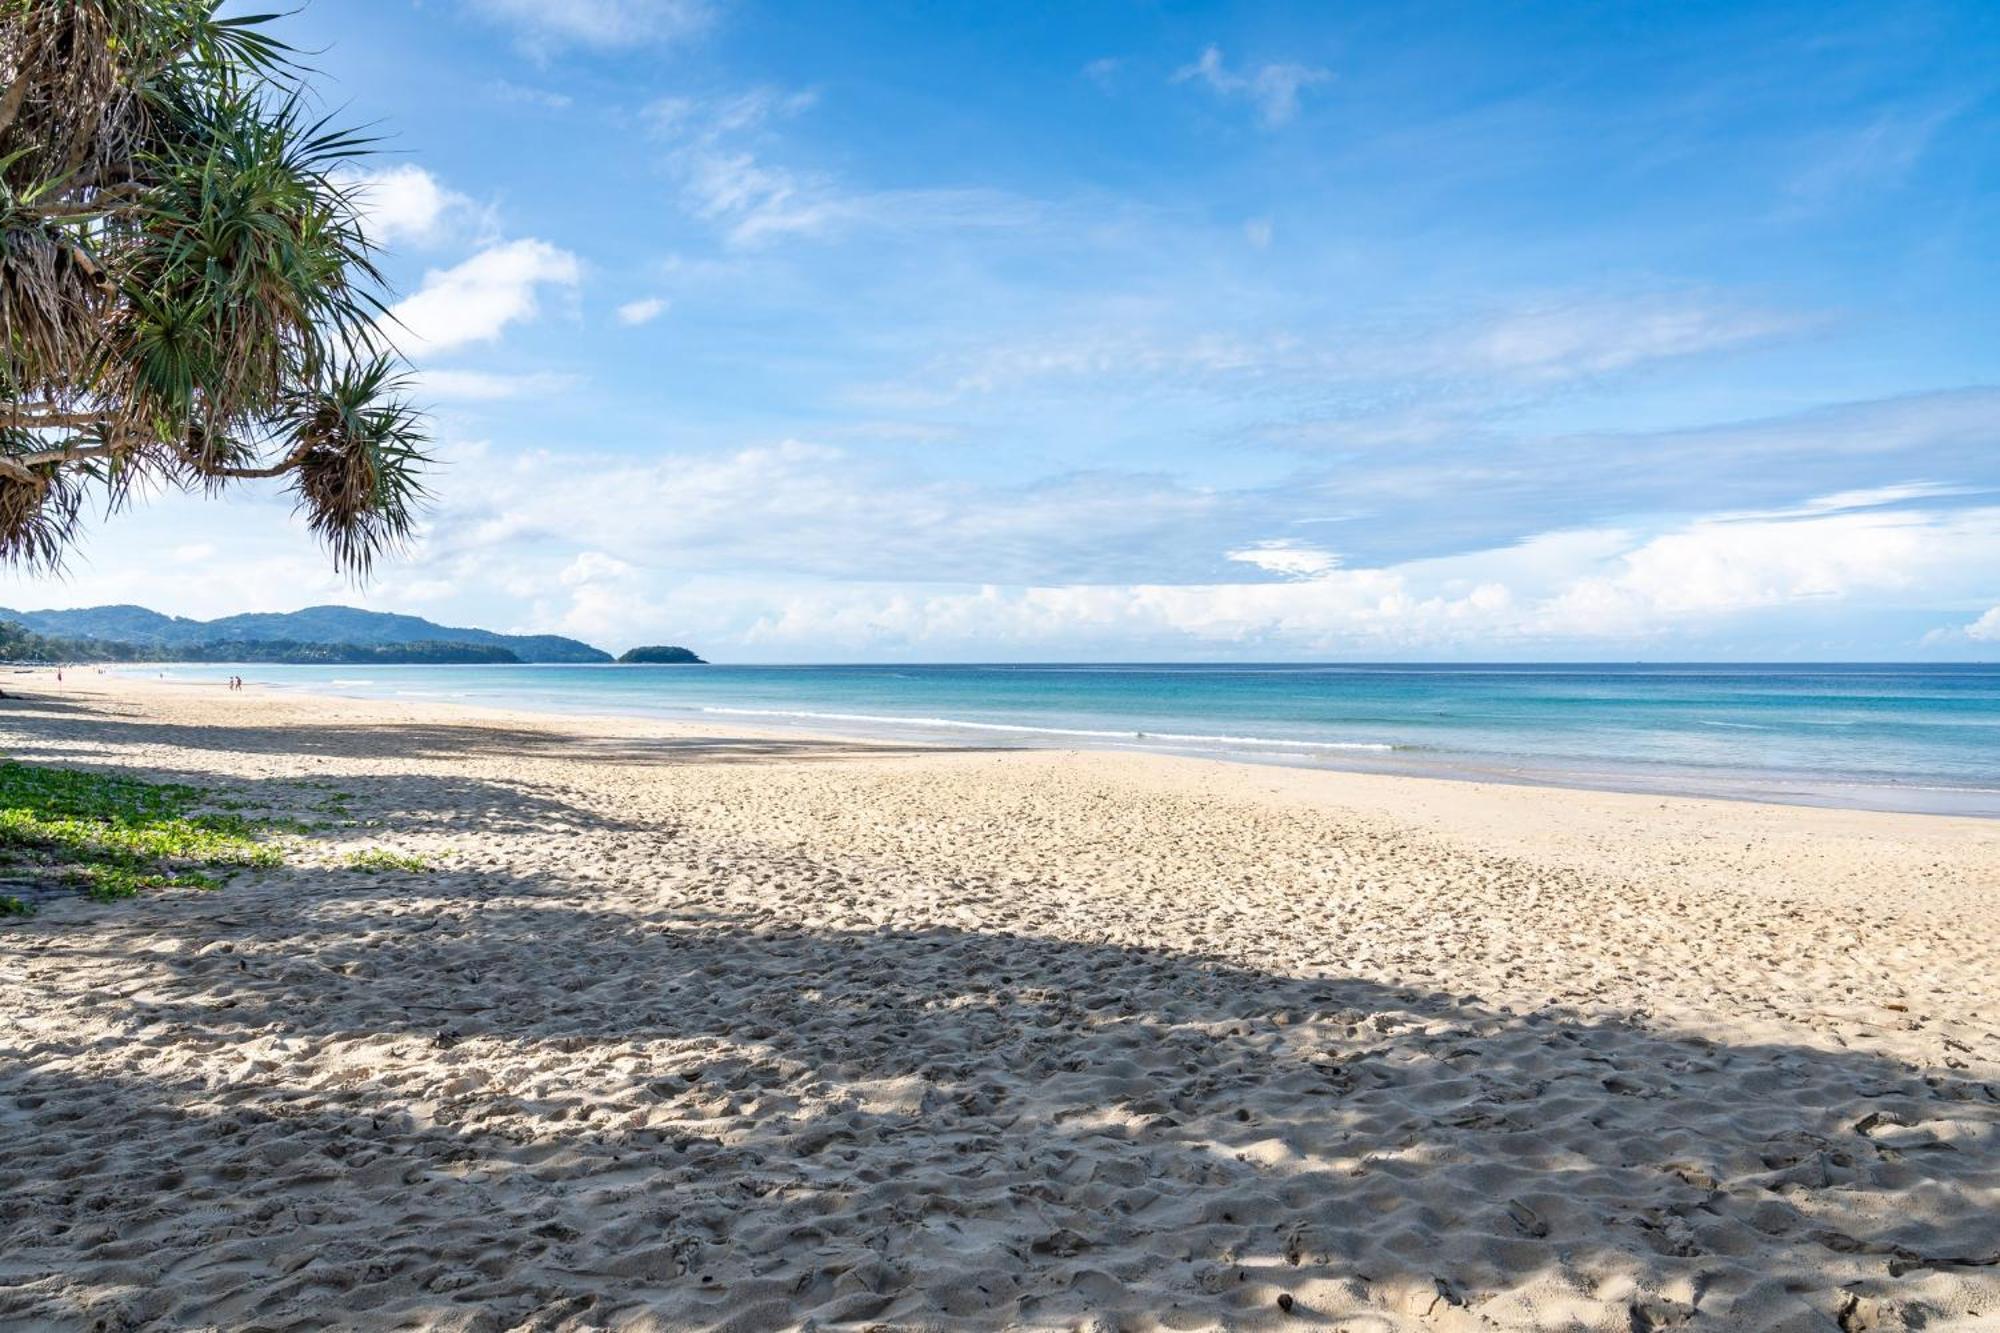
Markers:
point(114, 837)
point(188, 297)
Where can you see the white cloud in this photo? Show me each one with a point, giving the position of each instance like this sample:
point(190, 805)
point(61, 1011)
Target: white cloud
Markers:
point(404, 203)
point(1274, 89)
point(545, 24)
point(1729, 565)
point(1590, 587)
point(1257, 231)
point(642, 311)
point(847, 560)
point(842, 559)
point(687, 510)
point(486, 386)
point(262, 559)
point(1291, 558)
point(476, 300)
point(606, 597)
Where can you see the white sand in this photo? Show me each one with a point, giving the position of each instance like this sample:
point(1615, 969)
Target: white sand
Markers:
point(706, 1030)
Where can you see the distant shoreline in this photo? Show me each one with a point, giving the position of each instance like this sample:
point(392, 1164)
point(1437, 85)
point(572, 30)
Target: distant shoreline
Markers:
point(491, 688)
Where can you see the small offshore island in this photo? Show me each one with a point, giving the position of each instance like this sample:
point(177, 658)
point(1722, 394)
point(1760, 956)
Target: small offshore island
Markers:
point(659, 655)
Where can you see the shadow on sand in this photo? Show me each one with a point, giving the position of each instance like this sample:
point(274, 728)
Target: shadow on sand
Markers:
point(494, 1101)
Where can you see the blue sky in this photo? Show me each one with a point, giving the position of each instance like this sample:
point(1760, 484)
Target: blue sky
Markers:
point(1172, 331)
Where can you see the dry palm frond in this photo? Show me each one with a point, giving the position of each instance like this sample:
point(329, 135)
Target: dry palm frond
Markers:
point(186, 289)
point(361, 455)
point(39, 518)
point(71, 108)
point(52, 299)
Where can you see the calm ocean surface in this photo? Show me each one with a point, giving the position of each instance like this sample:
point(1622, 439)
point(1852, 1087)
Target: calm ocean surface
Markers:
point(1890, 736)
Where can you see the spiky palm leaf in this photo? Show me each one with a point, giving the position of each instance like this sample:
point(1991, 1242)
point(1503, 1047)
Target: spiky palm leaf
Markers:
point(186, 290)
point(359, 478)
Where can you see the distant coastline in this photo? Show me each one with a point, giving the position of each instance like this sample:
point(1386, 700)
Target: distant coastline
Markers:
point(1860, 735)
point(113, 630)
point(316, 635)
point(21, 648)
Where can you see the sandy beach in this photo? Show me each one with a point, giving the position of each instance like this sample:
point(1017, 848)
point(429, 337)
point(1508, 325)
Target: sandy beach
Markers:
point(706, 1029)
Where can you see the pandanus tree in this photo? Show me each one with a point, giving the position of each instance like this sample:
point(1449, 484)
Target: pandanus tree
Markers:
point(187, 294)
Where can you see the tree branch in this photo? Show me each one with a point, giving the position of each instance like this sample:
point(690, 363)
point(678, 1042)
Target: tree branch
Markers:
point(22, 417)
point(104, 203)
point(66, 453)
point(208, 469)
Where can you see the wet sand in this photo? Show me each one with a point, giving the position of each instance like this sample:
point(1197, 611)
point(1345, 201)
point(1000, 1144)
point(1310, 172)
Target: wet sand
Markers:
point(708, 1029)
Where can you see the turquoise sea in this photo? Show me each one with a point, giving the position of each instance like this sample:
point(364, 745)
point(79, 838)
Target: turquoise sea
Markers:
point(1888, 736)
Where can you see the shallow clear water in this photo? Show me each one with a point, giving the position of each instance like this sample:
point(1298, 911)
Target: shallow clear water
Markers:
point(1896, 736)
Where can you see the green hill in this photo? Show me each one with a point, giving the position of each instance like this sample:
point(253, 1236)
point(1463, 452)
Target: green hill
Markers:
point(176, 637)
point(23, 645)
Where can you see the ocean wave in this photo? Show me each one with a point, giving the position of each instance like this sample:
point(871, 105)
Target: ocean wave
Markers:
point(1174, 737)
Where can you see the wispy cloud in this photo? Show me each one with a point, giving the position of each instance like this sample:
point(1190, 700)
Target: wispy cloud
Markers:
point(488, 386)
point(1597, 337)
point(1841, 165)
point(1444, 372)
point(720, 150)
point(1104, 71)
point(1274, 89)
point(506, 90)
point(1459, 490)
